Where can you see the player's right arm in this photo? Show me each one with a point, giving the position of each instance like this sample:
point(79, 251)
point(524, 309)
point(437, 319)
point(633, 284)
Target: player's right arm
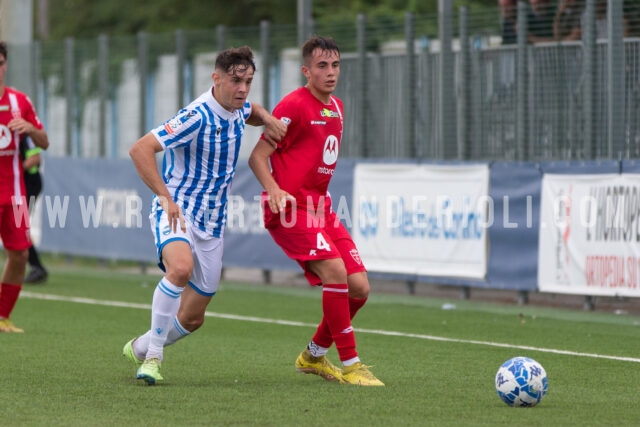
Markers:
point(259, 164)
point(143, 153)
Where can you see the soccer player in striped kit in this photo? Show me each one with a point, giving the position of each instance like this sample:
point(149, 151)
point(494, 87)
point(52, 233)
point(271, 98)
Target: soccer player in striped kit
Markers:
point(17, 118)
point(201, 145)
point(298, 214)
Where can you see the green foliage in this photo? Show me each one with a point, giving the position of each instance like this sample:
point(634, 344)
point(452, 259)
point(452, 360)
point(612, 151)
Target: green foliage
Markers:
point(89, 18)
point(66, 369)
point(119, 17)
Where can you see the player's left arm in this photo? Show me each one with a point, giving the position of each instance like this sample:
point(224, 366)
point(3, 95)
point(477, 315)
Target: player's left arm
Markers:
point(274, 129)
point(38, 136)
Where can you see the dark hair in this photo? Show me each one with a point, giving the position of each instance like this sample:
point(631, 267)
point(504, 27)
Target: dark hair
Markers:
point(3, 49)
point(231, 58)
point(315, 42)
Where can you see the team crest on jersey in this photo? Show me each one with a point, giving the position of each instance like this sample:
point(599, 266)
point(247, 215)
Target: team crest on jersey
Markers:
point(356, 256)
point(328, 113)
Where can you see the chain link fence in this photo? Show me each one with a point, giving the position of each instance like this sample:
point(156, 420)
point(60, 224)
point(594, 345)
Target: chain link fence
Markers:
point(454, 85)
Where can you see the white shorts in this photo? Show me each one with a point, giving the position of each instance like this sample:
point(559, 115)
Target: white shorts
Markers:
point(206, 250)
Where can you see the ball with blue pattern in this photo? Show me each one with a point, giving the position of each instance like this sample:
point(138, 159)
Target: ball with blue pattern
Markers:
point(521, 381)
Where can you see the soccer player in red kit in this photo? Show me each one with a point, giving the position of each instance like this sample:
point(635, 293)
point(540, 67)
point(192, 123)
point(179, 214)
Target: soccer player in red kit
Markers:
point(17, 117)
point(298, 214)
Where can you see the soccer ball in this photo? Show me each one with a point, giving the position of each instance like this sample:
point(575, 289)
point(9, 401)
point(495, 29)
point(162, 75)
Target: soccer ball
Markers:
point(521, 381)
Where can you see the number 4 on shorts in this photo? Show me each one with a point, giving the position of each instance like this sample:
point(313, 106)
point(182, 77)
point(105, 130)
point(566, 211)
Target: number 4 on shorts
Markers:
point(322, 244)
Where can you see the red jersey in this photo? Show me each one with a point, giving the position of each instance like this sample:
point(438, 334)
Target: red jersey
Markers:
point(306, 158)
point(13, 104)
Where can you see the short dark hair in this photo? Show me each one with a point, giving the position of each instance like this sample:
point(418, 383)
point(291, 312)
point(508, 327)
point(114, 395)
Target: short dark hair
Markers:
point(3, 49)
point(231, 58)
point(315, 42)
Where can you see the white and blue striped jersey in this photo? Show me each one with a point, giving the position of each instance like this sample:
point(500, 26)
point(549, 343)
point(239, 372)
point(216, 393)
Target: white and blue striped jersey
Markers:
point(201, 145)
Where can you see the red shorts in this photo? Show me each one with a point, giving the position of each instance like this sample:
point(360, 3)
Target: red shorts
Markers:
point(309, 237)
point(14, 232)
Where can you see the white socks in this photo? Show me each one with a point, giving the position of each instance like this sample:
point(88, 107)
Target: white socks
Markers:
point(166, 301)
point(176, 332)
point(316, 350)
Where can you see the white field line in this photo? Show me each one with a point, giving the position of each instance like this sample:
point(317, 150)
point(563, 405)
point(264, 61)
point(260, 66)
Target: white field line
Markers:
point(92, 301)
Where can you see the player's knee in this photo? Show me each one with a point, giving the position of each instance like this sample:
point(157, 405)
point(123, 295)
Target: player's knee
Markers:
point(24, 256)
point(192, 323)
point(180, 273)
point(18, 257)
point(360, 291)
point(330, 270)
point(359, 286)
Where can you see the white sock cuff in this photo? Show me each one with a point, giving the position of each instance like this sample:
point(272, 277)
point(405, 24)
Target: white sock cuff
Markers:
point(181, 330)
point(169, 289)
point(351, 361)
point(316, 350)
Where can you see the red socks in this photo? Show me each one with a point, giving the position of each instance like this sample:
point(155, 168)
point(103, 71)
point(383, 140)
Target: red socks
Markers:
point(355, 304)
point(8, 297)
point(338, 310)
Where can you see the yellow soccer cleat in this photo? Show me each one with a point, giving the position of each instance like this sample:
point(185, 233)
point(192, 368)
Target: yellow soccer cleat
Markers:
point(359, 374)
point(7, 325)
point(130, 355)
point(149, 371)
point(320, 366)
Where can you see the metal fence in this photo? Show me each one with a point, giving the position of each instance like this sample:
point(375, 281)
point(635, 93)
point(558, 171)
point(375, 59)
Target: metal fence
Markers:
point(419, 87)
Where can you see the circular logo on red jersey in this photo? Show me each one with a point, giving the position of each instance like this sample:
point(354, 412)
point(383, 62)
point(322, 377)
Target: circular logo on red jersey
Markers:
point(5, 137)
point(330, 155)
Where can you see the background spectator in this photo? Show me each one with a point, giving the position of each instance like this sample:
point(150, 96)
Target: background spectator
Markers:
point(567, 24)
point(540, 21)
point(508, 18)
point(632, 18)
point(31, 161)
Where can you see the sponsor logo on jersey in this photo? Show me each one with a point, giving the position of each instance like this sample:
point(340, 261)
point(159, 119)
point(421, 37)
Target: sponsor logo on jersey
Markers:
point(172, 125)
point(318, 122)
point(176, 123)
point(330, 154)
point(5, 137)
point(322, 170)
point(325, 112)
point(285, 120)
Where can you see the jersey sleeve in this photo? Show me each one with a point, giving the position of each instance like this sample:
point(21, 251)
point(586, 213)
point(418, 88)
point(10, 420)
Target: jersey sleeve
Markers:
point(289, 113)
point(180, 130)
point(29, 113)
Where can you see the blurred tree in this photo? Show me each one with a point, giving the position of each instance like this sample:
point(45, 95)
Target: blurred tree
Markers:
point(88, 18)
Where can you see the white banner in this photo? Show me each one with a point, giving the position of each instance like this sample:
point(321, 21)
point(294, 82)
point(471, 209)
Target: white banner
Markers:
point(590, 234)
point(422, 219)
